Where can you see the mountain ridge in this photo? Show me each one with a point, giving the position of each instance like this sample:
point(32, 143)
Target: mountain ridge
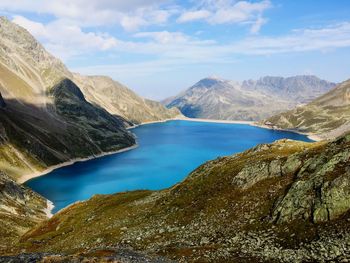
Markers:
point(327, 116)
point(47, 106)
point(217, 98)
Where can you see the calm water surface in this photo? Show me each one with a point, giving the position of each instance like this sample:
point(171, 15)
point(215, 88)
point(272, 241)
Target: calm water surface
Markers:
point(167, 153)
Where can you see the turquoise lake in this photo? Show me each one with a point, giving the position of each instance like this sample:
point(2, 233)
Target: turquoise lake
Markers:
point(167, 153)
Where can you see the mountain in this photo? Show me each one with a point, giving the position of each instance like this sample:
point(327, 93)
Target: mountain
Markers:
point(35, 132)
point(281, 202)
point(214, 98)
point(328, 116)
point(49, 115)
point(299, 89)
point(119, 100)
point(39, 70)
point(35, 137)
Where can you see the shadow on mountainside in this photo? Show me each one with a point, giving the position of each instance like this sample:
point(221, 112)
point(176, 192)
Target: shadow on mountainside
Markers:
point(68, 127)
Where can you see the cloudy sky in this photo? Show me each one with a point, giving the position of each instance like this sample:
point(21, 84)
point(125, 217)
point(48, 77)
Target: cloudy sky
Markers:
point(160, 47)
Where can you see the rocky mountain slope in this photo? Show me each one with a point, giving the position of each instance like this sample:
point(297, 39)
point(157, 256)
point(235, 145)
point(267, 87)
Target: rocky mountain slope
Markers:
point(34, 138)
point(119, 100)
point(281, 202)
point(39, 71)
point(328, 116)
point(215, 98)
point(49, 115)
point(299, 89)
point(20, 210)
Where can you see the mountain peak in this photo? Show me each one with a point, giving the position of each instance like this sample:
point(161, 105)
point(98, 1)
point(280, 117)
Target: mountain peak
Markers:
point(216, 98)
point(208, 82)
point(23, 53)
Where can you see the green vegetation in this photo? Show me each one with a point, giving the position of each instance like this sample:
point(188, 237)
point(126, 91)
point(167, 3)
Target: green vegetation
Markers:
point(262, 204)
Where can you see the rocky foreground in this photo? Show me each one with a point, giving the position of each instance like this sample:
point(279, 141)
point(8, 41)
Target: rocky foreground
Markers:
point(281, 202)
point(20, 210)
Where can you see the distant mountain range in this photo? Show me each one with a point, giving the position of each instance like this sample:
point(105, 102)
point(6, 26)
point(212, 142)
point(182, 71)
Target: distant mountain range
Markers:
point(215, 98)
point(328, 116)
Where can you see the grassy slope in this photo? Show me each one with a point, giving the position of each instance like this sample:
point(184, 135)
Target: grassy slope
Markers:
point(220, 212)
point(326, 114)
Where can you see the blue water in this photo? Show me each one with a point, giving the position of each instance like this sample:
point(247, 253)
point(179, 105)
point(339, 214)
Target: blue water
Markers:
point(167, 153)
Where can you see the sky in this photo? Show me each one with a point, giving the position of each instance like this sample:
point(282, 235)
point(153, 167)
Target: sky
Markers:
point(161, 47)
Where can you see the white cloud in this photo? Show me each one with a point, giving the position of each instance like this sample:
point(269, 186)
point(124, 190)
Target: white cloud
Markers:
point(135, 14)
point(172, 55)
point(38, 30)
point(64, 39)
point(228, 12)
point(130, 14)
point(193, 16)
point(257, 25)
point(301, 40)
point(164, 37)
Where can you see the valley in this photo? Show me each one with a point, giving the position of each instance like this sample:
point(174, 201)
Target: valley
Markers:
point(225, 171)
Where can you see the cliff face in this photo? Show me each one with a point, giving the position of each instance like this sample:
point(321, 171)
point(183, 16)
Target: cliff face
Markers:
point(20, 210)
point(285, 202)
point(328, 116)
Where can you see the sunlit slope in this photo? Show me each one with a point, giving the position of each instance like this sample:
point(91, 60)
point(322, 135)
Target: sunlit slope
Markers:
point(327, 116)
point(119, 100)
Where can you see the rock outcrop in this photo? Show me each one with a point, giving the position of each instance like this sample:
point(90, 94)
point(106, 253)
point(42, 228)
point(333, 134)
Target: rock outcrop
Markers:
point(20, 210)
point(214, 98)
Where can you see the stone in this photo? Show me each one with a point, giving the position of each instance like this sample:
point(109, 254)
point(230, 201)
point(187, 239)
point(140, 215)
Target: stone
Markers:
point(335, 199)
point(251, 174)
point(292, 165)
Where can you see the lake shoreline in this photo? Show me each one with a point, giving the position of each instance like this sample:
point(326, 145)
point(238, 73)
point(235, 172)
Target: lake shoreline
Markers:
point(313, 137)
point(28, 177)
point(193, 120)
point(50, 205)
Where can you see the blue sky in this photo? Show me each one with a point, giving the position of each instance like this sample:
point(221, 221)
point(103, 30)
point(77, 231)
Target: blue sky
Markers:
point(161, 47)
